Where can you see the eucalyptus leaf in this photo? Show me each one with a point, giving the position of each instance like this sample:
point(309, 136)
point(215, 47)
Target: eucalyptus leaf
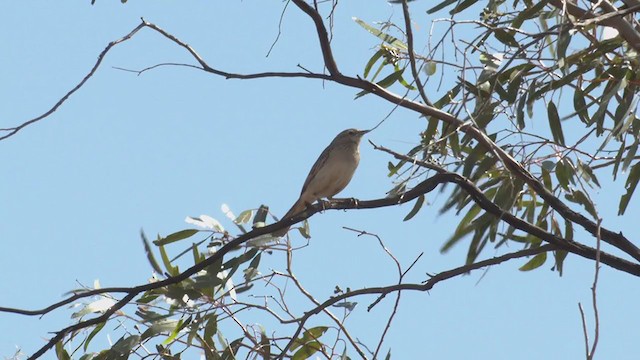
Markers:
point(535, 262)
point(391, 40)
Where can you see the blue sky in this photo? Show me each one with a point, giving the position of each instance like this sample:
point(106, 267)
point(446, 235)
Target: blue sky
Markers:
point(128, 152)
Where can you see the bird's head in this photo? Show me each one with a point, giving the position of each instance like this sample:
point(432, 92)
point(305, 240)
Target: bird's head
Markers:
point(350, 135)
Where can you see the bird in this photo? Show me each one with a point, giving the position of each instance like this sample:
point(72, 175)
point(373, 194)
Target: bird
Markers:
point(330, 174)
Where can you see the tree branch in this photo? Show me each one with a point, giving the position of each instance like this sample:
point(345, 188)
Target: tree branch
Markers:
point(422, 188)
point(616, 239)
point(626, 30)
point(411, 51)
point(8, 132)
point(426, 286)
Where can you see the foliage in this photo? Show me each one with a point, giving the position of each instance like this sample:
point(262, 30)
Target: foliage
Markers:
point(530, 105)
point(508, 78)
point(202, 313)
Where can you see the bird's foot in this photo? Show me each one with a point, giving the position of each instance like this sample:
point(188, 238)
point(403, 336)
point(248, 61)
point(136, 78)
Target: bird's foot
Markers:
point(324, 204)
point(351, 202)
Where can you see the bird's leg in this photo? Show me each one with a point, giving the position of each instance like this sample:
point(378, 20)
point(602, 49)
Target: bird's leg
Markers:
point(322, 202)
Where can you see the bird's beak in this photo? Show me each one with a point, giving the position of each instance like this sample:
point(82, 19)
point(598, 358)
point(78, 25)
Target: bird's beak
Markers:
point(362, 132)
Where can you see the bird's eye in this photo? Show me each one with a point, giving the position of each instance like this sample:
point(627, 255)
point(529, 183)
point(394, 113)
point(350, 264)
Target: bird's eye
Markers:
point(352, 132)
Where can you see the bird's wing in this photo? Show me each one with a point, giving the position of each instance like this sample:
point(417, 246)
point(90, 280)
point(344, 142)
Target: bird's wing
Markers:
point(322, 159)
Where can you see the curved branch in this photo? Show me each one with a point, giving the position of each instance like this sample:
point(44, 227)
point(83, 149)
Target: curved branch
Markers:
point(489, 206)
point(426, 286)
point(426, 186)
point(12, 131)
point(8, 132)
point(611, 17)
point(422, 188)
point(616, 239)
point(411, 51)
point(323, 36)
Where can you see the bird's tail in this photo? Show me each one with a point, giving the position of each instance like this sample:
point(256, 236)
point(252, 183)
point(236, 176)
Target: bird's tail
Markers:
point(295, 209)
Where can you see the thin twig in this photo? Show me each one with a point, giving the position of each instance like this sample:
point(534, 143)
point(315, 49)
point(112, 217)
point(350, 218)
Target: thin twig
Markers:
point(411, 52)
point(594, 296)
point(426, 286)
point(279, 28)
point(12, 131)
point(585, 332)
point(325, 310)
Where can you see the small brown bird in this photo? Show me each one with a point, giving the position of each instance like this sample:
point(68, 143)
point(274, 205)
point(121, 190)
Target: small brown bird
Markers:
point(331, 173)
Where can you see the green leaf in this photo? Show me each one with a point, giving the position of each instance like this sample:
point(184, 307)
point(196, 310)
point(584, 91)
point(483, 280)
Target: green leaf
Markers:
point(172, 270)
point(381, 35)
point(61, 353)
point(150, 257)
point(391, 79)
point(586, 173)
point(513, 87)
point(236, 261)
point(611, 89)
point(231, 351)
point(402, 81)
point(197, 256)
point(310, 335)
point(528, 13)
point(506, 38)
point(579, 197)
point(307, 350)
point(464, 228)
point(548, 165)
point(556, 84)
point(531, 98)
point(631, 153)
point(384, 83)
point(565, 173)
point(176, 331)
point(416, 207)
point(554, 123)
point(393, 168)
point(568, 230)
point(617, 159)
point(372, 61)
point(563, 42)
point(462, 5)
point(441, 6)
point(93, 333)
point(211, 328)
point(520, 111)
point(535, 262)
point(560, 255)
point(580, 105)
point(244, 217)
point(177, 236)
point(161, 326)
point(125, 344)
point(630, 185)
